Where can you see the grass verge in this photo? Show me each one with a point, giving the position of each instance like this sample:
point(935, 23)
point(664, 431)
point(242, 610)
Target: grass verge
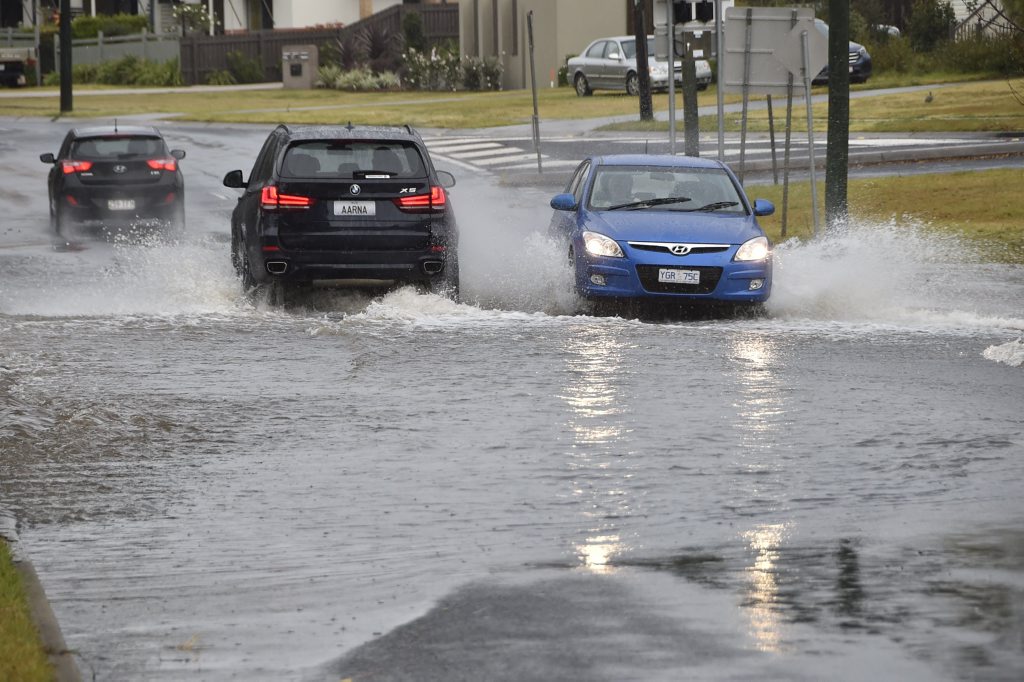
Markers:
point(987, 106)
point(22, 656)
point(980, 207)
point(963, 107)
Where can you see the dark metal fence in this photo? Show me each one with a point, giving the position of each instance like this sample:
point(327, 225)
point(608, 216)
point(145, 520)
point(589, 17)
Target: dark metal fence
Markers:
point(202, 55)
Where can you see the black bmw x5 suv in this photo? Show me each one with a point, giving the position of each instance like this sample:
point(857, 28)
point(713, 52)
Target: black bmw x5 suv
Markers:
point(344, 205)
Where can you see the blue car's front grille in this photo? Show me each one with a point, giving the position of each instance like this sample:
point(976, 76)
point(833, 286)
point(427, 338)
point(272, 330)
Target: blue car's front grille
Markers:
point(663, 248)
point(709, 277)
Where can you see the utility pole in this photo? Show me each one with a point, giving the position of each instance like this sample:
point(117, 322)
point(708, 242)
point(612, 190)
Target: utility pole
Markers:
point(65, 56)
point(837, 155)
point(643, 67)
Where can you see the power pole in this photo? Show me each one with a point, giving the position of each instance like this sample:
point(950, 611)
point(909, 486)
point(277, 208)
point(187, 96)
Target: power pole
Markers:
point(837, 155)
point(643, 67)
point(65, 56)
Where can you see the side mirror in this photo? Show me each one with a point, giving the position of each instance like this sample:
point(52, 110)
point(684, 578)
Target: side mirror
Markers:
point(563, 202)
point(446, 179)
point(179, 154)
point(47, 158)
point(234, 179)
point(763, 207)
point(616, 56)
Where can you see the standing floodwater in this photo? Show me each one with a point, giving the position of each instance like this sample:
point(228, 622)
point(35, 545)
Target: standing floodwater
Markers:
point(502, 489)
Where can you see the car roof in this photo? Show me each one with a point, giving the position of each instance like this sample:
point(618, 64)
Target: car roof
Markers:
point(667, 160)
point(96, 131)
point(350, 132)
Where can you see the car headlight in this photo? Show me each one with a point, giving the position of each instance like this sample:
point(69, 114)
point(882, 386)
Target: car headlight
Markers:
point(863, 52)
point(597, 244)
point(753, 249)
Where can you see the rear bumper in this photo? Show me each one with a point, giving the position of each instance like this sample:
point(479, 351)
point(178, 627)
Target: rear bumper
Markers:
point(159, 201)
point(313, 266)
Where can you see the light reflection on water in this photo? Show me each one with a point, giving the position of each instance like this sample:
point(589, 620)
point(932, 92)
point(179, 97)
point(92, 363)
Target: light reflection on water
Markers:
point(762, 588)
point(594, 395)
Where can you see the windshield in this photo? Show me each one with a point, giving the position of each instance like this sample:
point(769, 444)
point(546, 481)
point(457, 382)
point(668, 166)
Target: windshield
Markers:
point(664, 189)
point(629, 48)
point(117, 147)
point(348, 159)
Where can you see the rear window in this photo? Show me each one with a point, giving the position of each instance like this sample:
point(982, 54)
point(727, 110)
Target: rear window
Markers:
point(118, 147)
point(351, 159)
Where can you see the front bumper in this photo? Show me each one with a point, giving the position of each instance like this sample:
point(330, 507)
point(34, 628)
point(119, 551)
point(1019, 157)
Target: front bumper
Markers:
point(635, 276)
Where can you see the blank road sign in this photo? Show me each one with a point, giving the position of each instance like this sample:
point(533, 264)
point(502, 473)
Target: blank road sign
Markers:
point(771, 35)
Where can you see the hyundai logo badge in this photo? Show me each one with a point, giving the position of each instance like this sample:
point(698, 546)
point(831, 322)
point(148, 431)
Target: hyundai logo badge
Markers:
point(120, 169)
point(355, 190)
point(680, 249)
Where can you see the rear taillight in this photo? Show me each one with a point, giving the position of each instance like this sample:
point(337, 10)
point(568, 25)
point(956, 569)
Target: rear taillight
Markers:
point(272, 200)
point(169, 164)
point(70, 167)
point(434, 201)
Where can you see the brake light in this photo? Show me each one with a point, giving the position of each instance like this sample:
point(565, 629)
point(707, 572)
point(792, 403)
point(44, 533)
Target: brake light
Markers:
point(434, 201)
point(271, 199)
point(169, 164)
point(70, 167)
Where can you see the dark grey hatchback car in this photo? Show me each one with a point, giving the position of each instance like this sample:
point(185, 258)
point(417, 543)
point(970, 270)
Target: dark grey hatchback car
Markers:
point(344, 206)
point(115, 176)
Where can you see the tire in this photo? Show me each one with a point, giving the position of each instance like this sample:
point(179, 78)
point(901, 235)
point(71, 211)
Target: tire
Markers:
point(632, 84)
point(582, 86)
point(447, 283)
point(177, 226)
point(60, 222)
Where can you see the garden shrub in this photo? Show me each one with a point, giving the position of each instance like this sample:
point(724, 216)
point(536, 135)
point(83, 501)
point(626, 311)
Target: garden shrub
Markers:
point(244, 69)
point(482, 73)
point(86, 26)
point(220, 77)
point(439, 69)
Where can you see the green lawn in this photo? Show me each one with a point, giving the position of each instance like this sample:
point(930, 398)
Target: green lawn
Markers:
point(21, 653)
point(961, 107)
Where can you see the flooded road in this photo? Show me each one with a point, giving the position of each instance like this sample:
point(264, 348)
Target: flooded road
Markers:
point(399, 487)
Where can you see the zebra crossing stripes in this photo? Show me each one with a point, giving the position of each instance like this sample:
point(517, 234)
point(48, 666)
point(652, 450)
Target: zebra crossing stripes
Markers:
point(480, 154)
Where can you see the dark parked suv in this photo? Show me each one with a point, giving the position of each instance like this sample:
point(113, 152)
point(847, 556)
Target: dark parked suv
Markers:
point(115, 176)
point(344, 205)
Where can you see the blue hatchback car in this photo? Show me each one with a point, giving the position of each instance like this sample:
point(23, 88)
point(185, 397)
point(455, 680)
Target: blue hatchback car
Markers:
point(663, 228)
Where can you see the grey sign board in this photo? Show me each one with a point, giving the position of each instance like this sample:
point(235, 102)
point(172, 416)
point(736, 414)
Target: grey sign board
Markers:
point(761, 54)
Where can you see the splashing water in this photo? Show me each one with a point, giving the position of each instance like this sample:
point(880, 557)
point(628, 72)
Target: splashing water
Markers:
point(892, 274)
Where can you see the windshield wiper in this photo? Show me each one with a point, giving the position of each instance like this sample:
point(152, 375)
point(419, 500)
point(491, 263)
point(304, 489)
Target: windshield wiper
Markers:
point(647, 203)
point(715, 205)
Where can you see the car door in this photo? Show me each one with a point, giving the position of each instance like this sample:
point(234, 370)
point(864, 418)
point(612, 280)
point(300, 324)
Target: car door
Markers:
point(593, 63)
point(247, 211)
point(563, 223)
point(615, 65)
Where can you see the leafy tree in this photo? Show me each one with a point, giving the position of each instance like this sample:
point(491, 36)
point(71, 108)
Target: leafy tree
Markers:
point(931, 22)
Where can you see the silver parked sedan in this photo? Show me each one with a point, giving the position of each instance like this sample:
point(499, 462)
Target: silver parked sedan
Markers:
point(610, 64)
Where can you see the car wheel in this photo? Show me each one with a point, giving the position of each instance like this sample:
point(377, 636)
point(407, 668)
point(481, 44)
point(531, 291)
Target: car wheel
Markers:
point(582, 86)
point(178, 220)
point(447, 283)
point(632, 84)
point(702, 86)
point(60, 222)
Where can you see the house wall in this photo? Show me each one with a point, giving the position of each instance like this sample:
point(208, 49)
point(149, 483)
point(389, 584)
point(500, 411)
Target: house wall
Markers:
point(560, 27)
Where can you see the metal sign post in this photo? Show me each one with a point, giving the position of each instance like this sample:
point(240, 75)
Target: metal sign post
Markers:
point(810, 126)
point(533, 84)
point(719, 79)
point(671, 79)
